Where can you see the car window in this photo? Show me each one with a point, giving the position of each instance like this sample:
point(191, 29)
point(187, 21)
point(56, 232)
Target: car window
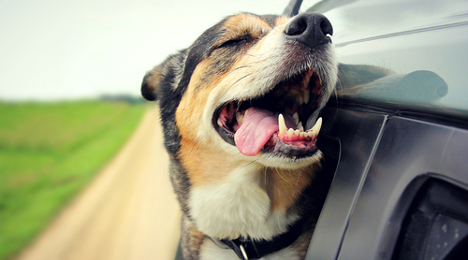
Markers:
point(411, 52)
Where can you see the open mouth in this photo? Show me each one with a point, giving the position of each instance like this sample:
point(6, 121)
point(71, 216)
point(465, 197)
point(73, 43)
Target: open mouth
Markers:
point(274, 122)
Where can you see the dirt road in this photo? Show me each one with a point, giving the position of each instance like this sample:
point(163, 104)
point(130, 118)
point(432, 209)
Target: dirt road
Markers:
point(128, 211)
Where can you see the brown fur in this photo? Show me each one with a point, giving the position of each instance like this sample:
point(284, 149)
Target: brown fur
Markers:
point(218, 68)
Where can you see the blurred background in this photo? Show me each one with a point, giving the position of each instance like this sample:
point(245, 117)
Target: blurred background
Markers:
point(83, 173)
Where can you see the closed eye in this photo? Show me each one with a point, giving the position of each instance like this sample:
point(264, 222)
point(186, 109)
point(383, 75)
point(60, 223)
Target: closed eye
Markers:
point(235, 42)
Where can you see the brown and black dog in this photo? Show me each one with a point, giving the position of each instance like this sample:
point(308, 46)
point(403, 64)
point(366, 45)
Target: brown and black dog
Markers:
point(239, 109)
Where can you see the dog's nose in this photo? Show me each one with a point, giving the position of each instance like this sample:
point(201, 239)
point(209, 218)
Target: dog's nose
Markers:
point(310, 29)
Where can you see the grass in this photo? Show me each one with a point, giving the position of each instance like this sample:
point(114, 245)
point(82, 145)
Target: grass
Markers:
point(49, 152)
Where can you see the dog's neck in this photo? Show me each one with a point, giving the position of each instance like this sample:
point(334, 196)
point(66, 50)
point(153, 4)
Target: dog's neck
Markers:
point(251, 201)
point(247, 248)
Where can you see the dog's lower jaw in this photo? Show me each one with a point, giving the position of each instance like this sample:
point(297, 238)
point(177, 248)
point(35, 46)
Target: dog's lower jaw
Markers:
point(266, 159)
point(290, 163)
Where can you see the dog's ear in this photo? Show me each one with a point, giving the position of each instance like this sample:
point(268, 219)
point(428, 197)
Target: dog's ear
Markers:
point(151, 82)
point(162, 79)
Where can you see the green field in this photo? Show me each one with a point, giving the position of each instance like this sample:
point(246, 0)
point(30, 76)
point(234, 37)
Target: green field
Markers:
point(49, 152)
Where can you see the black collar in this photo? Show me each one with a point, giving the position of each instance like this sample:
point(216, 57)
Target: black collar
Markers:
point(248, 248)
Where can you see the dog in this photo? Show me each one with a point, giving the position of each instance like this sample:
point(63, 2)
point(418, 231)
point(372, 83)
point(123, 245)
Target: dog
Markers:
point(240, 112)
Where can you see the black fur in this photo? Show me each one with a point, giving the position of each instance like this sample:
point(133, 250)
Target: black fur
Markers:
point(146, 90)
point(174, 76)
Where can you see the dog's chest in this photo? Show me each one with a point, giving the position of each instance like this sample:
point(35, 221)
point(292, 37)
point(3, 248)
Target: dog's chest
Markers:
point(237, 206)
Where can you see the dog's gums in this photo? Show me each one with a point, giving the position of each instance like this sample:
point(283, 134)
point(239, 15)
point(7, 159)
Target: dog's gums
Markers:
point(274, 122)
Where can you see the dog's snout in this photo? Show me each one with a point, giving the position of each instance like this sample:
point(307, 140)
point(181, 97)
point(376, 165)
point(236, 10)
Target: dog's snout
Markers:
point(310, 29)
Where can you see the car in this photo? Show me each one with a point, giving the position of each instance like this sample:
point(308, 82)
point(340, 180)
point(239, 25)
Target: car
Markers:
point(397, 129)
point(395, 134)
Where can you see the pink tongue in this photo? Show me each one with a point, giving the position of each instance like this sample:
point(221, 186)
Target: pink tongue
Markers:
point(256, 129)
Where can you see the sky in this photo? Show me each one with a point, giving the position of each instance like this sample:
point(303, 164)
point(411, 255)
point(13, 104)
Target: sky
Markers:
point(62, 49)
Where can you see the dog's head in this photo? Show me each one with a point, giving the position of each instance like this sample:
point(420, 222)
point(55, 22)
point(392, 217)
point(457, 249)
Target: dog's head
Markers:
point(250, 88)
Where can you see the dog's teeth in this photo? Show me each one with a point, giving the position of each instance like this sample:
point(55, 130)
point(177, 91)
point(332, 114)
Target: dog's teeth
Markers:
point(316, 128)
point(306, 95)
point(301, 134)
point(317, 125)
point(313, 135)
point(296, 118)
point(290, 132)
point(296, 132)
point(240, 118)
point(282, 125)
point(300, 127)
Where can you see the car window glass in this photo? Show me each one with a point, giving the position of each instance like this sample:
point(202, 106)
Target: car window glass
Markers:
point(401, 51)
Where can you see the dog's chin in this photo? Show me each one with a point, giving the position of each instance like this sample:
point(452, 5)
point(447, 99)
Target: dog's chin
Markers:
point(288, 162)
point(277, 153)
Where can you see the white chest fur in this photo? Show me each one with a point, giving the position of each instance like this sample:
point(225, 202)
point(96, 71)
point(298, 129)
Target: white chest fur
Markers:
point(236, 206)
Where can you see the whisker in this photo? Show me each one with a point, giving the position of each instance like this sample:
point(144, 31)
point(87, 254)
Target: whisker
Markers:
point(297, 179)
point(238, 80)
point(276, 168)
point(240, 67)
point(250, 163)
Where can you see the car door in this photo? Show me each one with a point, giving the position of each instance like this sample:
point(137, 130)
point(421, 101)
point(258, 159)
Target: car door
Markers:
point(398, 128)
